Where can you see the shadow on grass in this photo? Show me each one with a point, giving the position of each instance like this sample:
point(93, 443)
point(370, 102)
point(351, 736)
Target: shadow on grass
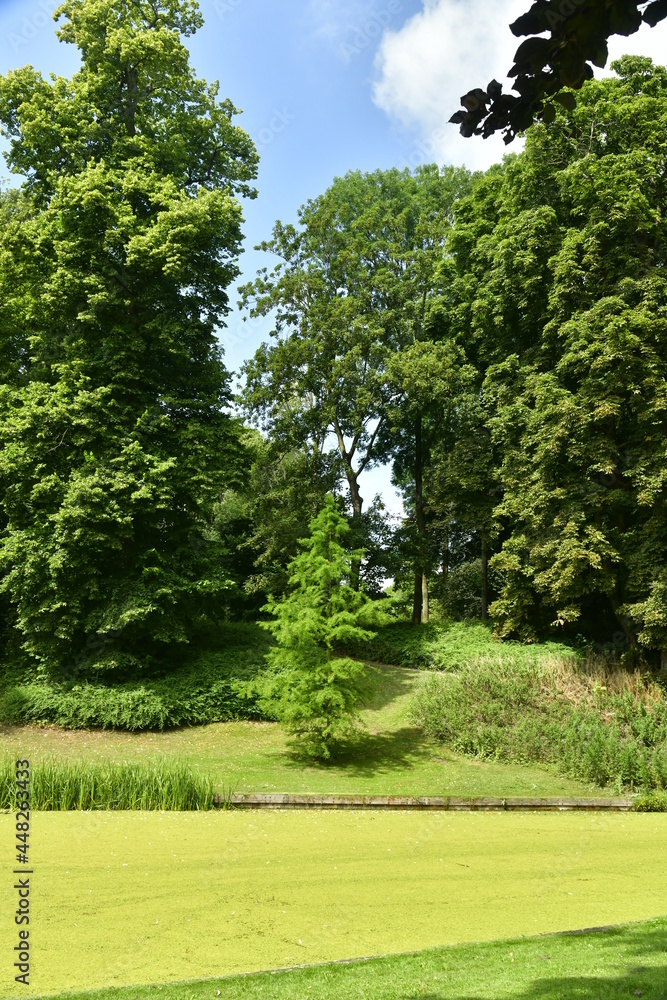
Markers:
point(368, 753)
point(618, 949)
point(649, 983)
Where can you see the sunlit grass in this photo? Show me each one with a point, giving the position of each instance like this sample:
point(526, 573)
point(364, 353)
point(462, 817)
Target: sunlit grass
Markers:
point(391, 756)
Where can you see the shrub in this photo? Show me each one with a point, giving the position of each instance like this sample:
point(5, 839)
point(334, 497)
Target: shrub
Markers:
point(443, 647)
point(653, 802)
point(211, 687)
point(313, 691)
point(600, 726)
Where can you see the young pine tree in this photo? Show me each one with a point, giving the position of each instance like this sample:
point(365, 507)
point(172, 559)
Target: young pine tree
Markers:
point(313, 692)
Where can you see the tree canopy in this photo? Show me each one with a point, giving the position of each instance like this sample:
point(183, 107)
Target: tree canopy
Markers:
point(116, 256)
point(524, 393)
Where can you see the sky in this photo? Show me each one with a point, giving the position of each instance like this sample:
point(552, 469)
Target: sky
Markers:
point(327, 86)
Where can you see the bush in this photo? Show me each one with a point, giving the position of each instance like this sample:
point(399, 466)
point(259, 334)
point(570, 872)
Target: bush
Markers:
point(608, 728)
point(442, 647)
point(653, 802)
point(212, 687)
point(57, 786)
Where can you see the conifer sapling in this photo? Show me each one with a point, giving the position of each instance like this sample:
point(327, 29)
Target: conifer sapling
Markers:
point(313, 691)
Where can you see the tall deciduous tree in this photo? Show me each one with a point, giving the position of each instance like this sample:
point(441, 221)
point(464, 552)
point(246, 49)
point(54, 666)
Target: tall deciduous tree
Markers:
point(581, 412)
point(113, 273)
point(325, 374)
point(353, 289)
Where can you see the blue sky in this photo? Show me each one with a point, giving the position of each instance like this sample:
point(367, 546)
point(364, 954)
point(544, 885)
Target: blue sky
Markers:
point(328, 86)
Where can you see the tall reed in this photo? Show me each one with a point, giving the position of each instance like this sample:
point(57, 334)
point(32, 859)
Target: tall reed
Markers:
point(77, 785)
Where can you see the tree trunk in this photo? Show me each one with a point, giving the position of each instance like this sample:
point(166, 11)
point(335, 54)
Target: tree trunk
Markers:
point(420, 601)
point(445, 557)
point(417, 599)
point(357, 505)
point(485, 578)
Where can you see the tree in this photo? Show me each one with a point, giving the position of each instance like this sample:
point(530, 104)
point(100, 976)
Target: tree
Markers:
point(579, 404)
point(312, 690)
point(261, 520)
point(324, 376)
point(114, 267)
point(354, 289)
point(577, 33)
point(428, 377)
point(421, 372)
point(465, 484)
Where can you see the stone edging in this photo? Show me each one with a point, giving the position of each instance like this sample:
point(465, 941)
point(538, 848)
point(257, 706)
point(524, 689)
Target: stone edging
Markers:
point(279, 800)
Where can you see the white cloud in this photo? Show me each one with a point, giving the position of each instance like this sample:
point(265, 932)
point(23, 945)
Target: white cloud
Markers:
point(645, 42)
point(438, 55)
point(447, 49)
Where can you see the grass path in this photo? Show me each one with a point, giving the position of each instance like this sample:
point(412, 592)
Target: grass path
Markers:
point(121, 898)
point(391, 757)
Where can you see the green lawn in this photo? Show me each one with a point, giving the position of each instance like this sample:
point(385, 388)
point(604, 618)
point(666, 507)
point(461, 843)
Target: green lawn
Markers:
point(624, 961)
point(392, 756)
point(123, 898)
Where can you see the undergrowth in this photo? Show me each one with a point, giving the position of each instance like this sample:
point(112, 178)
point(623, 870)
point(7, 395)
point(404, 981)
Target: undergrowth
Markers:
point(593, 721)
point(210, 686)
point(443, 647)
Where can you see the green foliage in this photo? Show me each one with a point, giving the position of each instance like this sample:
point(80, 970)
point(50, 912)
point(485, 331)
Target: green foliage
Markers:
point(261, 519)
point(561, 305)
point(210, 686)
point(444, 647)
point(653, 802)
point(115, 260)
point(535, 710)
point(62, 786)
point(351, 296)
point(576, 41)
point(311, 690)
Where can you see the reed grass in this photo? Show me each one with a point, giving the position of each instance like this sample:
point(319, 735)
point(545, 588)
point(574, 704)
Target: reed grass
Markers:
point(77, 785)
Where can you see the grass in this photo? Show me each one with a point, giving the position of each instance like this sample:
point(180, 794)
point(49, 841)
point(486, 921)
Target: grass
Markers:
point(147, 897)
point(438, 646)
point(499, 719)
point(81, 785)
point(623, 961)
point(392, 756)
